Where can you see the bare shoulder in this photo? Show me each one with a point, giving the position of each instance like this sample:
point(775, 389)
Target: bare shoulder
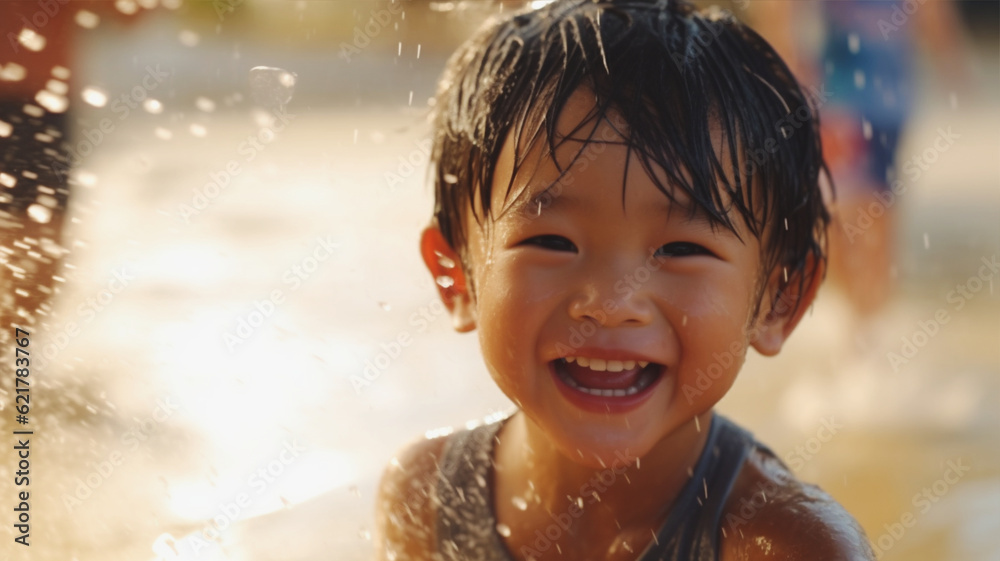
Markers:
point(404, 511)
point(772, 515)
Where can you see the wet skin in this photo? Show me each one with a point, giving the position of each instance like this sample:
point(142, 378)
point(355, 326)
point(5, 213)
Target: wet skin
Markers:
point(541, 272)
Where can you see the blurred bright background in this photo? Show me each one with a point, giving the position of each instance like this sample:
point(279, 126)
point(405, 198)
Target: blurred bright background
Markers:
point(240, 245)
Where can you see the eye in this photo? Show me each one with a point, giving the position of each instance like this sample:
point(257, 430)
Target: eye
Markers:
point(550, 241)
point(682, 249)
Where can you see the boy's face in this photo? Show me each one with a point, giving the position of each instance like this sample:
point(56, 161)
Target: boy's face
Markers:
point(581, 276)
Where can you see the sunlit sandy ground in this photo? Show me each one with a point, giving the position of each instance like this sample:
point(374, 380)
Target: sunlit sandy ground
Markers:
point(161, 341)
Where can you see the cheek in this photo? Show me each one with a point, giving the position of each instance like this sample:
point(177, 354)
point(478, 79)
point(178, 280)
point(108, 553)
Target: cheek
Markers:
point(711, 327)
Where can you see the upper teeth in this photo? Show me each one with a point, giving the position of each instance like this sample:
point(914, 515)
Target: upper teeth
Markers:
point(601, 365)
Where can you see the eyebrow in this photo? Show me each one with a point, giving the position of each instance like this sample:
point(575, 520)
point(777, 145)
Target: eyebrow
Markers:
point(530, 206)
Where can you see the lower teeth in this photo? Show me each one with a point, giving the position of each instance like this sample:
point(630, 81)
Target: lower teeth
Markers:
point(642, 382)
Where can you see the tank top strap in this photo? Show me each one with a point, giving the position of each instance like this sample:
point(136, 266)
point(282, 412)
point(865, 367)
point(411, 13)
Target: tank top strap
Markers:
point(465, 523)
point(466, 526)
point(691, 529)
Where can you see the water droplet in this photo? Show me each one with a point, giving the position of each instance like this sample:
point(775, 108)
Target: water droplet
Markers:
point(859, 79)
point(86, 178)
point(148, 4)
point(61, 72)
point(205, 104)
point(94, 96)
point(163, 133)
point(198, 130)
point(7, 180)
point(272, 87)
point(786, 224)
point(188, 38)
point(684, 320)
point(31, 40)
point(927, 241)
point(13, 72)
point(384, 305)
point(418, 50)
point(445, 281)
point(57, 87)
point(866, 129)
point(519, 503)
point(442, 6)
point(410, 102)
point(55, 103)
point(5, 129)
point(450, 178)
point(127, 7)
point(87, 19)
point(445, 261)
point(697, 424)
point(503, 530)
point(355, 136)
point(153, 106)
point(171, 4)
point(953, 100)
point(854, 43)
point(364, 533)
point(39, 213)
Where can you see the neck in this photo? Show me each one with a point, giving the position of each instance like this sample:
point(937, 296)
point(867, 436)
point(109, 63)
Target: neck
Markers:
point(634, 496)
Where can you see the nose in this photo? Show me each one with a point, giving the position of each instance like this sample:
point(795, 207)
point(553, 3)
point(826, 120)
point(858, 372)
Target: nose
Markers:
point(611, 301)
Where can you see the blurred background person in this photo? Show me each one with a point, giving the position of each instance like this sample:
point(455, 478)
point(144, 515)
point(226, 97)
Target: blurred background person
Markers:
point(860, 56)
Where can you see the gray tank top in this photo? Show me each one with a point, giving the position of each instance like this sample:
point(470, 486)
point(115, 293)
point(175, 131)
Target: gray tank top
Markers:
point(467, 528)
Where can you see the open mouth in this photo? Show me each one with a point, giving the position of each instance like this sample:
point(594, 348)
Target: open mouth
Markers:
point(607, 378)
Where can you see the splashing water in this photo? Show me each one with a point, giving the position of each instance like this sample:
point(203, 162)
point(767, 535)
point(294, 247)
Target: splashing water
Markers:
point(31, 40)
point(94, 96)
point(87, 19)
point(153, 106)
point(272, 87)
point(13, 72)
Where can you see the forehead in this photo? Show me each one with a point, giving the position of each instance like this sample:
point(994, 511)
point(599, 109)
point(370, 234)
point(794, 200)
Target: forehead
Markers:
point(534, 171)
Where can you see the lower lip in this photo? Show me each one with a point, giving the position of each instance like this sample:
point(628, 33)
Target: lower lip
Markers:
point(601, 403)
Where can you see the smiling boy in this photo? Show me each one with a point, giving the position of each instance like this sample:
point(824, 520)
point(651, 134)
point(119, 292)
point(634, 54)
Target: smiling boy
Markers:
point(601, 220)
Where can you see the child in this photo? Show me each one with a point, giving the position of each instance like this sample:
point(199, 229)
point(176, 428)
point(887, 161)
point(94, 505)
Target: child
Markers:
point(626, 199)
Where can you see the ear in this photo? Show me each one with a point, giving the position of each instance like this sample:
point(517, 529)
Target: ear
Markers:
point(449, 277)
point(785, 303)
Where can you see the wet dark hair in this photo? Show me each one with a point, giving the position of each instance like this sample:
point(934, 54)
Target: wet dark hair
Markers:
point(672, 74)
